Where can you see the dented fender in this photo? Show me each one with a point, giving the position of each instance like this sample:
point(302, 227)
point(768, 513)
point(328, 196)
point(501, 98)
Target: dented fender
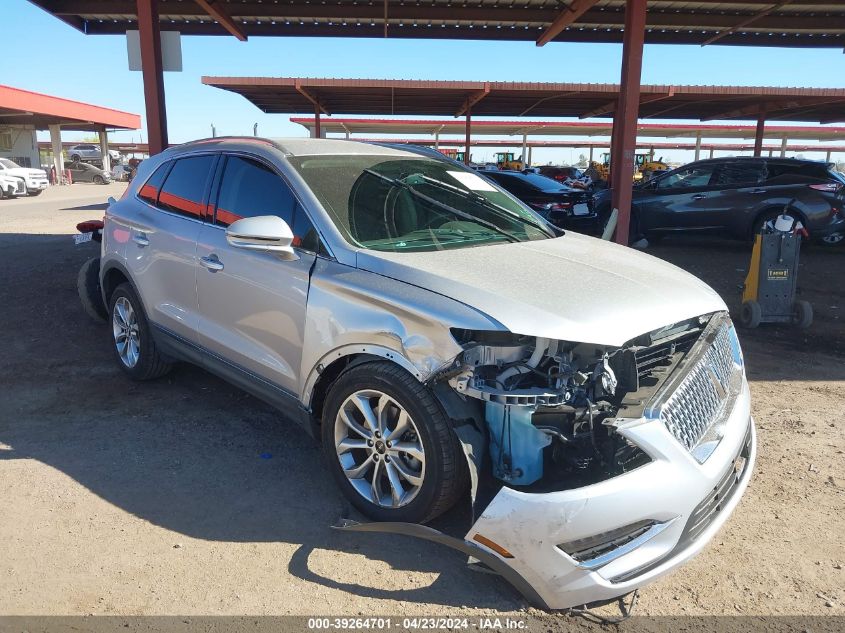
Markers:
point(351, 311)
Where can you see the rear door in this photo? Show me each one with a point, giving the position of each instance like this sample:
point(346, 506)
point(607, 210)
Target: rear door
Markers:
point(252, 304)
point(677, 201)
point(161, 253)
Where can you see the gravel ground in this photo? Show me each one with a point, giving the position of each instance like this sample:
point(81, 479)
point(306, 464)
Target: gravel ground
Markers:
point(186, 496)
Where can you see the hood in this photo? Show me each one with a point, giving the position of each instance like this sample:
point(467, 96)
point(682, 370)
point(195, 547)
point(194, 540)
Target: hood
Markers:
point(572, 288)
point(24, 171)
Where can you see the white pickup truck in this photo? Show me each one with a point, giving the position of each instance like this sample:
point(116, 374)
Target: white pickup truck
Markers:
point(35, 180)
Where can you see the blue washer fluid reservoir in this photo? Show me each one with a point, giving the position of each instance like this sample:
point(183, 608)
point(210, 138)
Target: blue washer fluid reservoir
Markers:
point(516, 446)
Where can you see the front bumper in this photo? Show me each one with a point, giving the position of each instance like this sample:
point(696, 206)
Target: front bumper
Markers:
point(674, 490)
point(36, 184)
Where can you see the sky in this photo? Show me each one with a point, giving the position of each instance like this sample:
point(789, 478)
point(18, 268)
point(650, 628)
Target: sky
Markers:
point(43, 54)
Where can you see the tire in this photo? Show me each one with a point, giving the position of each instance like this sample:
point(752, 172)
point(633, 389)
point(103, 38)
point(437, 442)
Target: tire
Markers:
point(98, 180)
point(750, 314)
point(126, 314)
point(433, 473)
point(834, 239)
point(802, 314)
point(88, 288)
point(34, 192)
point(75, 158)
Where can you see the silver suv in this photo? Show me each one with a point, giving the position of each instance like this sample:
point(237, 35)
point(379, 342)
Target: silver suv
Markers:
point(89, 151)
point(443, 342)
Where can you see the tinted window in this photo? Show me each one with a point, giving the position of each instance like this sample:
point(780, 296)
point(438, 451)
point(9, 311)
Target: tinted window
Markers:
point(185, 185)
point(250, 188)
point(304, 234)
point(741, 173)
point(687, 177)
point(149, 190)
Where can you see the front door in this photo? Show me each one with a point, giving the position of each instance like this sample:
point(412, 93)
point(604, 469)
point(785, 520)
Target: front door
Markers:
point(252, 304)
point(679, 200)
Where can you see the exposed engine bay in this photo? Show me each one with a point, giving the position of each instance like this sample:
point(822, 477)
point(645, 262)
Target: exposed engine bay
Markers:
point(551, 407)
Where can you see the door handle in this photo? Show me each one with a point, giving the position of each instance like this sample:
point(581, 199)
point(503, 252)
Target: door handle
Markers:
point(140, 238)
point(699, 196)
point(212, 263)
point(757, 191)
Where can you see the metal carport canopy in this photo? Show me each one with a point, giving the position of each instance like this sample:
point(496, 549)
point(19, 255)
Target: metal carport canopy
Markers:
point(24, 107)
point(800, 23)
point(453, 98)
point(566, 128)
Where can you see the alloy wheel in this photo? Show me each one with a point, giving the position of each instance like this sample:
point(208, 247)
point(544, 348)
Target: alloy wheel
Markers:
point(379, 448)
point(126, 332)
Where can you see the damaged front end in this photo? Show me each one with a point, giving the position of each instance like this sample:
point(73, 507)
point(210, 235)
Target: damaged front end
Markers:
point(596, 469)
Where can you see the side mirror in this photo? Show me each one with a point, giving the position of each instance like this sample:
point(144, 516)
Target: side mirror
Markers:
point(268, 233)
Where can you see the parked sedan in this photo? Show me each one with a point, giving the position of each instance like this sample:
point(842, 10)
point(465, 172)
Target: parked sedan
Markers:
point(734, 197)
point(563, 206)
point(83, 172)
point(89, 151)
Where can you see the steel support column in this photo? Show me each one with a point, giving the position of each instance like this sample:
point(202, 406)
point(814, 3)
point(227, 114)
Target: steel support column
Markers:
point(697, 145)
point(104, 149)
point(525, 150)
point(148, 28)
point(783, 143)
point(58, 156)
point(437, 141)
point(711, 152)
point(761, 129)
point(591, 154)
point(529, 154)
point(624, 140)
point(468, 135)
point(318, 133)
point(827, 159)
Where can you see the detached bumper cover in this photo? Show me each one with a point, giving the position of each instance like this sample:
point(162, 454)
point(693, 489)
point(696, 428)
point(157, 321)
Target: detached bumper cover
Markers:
point(688, 500)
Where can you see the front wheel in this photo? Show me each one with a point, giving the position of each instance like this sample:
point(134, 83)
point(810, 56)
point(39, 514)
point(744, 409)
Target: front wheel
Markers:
point(390, 445)
point(34, 192)
point(98, 180)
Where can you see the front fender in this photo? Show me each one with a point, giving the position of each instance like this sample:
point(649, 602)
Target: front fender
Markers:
point(351, 311)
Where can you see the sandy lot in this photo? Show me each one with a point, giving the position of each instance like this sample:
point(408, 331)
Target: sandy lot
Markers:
point(186, 496)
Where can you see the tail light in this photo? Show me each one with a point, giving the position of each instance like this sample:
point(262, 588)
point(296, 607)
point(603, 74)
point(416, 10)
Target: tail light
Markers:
point(829, 187)
point(552, 206)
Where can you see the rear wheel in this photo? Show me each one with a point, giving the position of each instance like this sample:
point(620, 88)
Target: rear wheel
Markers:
point(390, 445)
point(98, 180)
point(834, 239)
point(134, 346)
point(88, 287)
point(802, 314)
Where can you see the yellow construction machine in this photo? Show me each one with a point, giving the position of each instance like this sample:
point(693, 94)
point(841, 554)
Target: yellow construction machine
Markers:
point(506, 160)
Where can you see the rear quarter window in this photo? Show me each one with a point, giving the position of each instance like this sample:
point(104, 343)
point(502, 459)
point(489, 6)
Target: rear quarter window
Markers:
point(149, 190)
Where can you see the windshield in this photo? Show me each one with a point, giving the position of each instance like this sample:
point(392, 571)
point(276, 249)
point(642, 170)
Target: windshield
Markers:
point(9, 163)
point(403, 204)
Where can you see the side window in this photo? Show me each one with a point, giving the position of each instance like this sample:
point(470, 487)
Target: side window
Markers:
point(250, 188)
point(304, 234)
point(741, 174)
point(693, 176)
point(184, 187)
point(149, 190)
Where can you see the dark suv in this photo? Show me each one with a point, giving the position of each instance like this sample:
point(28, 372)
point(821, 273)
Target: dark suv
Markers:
point(735, 196)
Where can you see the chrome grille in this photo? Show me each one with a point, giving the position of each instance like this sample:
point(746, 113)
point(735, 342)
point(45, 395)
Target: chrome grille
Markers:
point(701, 397)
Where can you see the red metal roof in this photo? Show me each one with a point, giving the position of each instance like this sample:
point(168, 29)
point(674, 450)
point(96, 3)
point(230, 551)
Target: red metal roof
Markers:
point(405, 97)
point(19, 106)
point(565, 128)
point(799, 23)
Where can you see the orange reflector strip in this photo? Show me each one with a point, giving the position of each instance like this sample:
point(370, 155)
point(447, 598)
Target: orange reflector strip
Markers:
point(501, 551)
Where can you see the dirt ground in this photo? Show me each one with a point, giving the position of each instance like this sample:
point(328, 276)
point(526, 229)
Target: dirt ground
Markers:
point(186, 496)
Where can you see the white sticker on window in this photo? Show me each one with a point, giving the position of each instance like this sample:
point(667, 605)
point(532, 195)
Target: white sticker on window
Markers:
point(471, 181)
